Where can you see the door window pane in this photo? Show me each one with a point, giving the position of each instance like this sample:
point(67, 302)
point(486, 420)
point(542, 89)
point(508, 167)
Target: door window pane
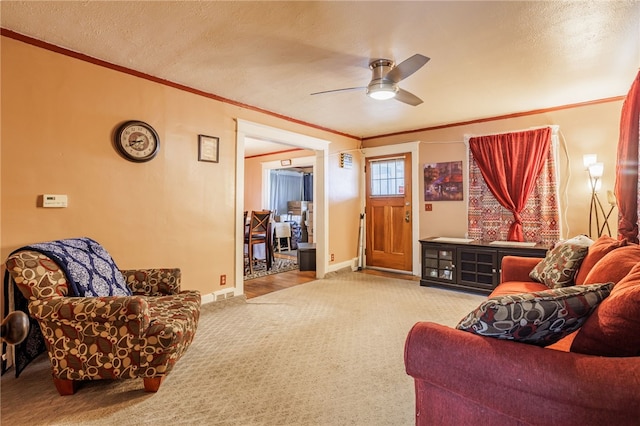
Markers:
point(387, 177)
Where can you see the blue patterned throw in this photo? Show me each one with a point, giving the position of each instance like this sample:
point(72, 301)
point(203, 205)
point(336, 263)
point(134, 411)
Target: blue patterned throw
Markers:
point(89, 267)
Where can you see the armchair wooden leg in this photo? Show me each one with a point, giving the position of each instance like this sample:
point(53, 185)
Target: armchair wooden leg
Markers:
point(152, 384)
point(65, 387)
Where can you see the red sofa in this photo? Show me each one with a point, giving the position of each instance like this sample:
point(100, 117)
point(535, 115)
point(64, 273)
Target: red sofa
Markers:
point(590, 377)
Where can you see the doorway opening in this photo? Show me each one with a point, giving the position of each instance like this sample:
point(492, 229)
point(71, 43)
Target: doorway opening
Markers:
point(390, 150)
point(247, 129)
point(388, 212)
point(289, 193)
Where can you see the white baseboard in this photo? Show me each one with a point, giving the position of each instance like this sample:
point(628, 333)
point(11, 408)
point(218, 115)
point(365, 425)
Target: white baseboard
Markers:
point(225, 293)
point(346, 264)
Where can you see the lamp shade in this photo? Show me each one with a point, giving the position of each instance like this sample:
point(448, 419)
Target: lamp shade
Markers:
point(596, 170)
point(589, 159)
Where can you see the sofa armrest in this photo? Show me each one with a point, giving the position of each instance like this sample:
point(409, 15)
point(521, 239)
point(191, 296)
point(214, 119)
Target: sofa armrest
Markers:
point(523, 382)
point(153, 282)
point(517, 268)
point(95, 313)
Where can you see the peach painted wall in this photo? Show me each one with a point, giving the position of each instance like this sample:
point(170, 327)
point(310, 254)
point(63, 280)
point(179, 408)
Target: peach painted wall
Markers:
point(345, 213)
point(58, 118)
point(584, 129)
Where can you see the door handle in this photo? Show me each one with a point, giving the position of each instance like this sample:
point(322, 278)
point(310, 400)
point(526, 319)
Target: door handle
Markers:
point(406, 216)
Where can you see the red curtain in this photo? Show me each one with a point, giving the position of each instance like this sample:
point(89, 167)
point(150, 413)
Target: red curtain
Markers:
point(626, 188)
point(510, 164)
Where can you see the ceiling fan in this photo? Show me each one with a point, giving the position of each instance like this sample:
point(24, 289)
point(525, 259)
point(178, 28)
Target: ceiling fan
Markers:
point(385, 79)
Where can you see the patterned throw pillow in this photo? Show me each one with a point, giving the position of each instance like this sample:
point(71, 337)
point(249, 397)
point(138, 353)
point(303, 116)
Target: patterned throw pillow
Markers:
point(539, 318)
point(560, 265)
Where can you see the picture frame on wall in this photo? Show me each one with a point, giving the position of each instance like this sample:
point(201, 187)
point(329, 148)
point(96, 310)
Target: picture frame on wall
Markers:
point(208, 148)
point(443, 181)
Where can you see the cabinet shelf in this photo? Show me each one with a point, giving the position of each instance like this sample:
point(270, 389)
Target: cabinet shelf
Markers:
point(470, 266)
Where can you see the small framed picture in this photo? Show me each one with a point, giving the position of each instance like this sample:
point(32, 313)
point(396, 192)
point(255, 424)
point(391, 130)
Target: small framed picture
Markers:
point(208, 148)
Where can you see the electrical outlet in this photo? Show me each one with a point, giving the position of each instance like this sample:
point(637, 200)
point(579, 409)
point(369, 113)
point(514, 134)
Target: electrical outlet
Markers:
point(332, 257)
point(223, 280)
point(428, 207)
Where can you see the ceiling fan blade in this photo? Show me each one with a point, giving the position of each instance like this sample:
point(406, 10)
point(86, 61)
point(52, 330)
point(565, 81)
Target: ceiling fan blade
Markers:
point(406, 68)
point(408, 98)
point(348, 89)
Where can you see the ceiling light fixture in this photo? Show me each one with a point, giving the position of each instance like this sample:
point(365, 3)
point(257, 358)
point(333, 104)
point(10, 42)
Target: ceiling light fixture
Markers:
point(380, 87)
point(382, 90)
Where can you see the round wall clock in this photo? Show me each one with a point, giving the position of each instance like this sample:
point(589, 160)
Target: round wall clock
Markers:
point(137, 141)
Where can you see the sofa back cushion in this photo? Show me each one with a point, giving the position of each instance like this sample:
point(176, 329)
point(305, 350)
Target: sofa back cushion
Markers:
point(615, 265)
point(614, 327)
point(601, 247)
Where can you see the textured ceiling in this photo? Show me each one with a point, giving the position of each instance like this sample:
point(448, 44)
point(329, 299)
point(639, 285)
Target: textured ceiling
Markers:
point(487, 58)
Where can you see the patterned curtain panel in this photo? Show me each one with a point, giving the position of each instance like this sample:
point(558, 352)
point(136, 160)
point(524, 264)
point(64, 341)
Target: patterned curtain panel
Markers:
point(489, 221)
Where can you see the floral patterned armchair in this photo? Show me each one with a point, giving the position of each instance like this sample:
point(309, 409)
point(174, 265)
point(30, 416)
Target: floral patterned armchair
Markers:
point(107, 337)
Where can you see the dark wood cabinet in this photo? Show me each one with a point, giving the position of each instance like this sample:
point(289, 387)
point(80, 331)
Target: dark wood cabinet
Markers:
point(470, 266)
point(438, 263)
point(477, 267)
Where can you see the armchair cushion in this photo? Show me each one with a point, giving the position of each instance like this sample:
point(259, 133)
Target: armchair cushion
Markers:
point(153, 282)
point(539, 318)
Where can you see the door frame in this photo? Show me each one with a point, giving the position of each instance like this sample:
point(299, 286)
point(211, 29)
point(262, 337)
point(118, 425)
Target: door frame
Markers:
point(321, 182)
point(413, 148)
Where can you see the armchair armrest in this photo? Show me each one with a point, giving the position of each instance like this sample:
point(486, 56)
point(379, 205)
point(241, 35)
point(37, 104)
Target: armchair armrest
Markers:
point(517, 268)
point(519, 381)
point(112, 312)
point(153, 282)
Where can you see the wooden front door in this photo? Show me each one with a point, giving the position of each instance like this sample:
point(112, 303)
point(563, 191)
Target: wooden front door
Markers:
point(388, 212)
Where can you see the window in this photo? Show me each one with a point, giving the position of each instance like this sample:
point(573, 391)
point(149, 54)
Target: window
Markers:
point(489, 220)
point(387, 177)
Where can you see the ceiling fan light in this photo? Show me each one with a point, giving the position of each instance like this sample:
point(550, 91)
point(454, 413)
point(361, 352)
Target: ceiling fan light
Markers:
point(382, 91)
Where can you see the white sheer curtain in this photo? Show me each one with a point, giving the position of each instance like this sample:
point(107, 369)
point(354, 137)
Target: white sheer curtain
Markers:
point(286, 185)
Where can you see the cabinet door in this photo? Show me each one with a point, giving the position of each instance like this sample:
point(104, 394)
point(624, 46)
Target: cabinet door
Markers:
point(438, 263)
point(477, 267)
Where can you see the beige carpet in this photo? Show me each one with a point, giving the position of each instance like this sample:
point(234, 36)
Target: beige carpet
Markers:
point(329, 352)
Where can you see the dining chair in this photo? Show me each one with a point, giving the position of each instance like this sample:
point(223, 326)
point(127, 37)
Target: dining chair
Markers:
point(283, 232)
point(260, 233)
point(245, 251)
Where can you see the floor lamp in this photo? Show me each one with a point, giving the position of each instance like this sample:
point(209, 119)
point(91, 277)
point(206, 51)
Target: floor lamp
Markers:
point(596, 210)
